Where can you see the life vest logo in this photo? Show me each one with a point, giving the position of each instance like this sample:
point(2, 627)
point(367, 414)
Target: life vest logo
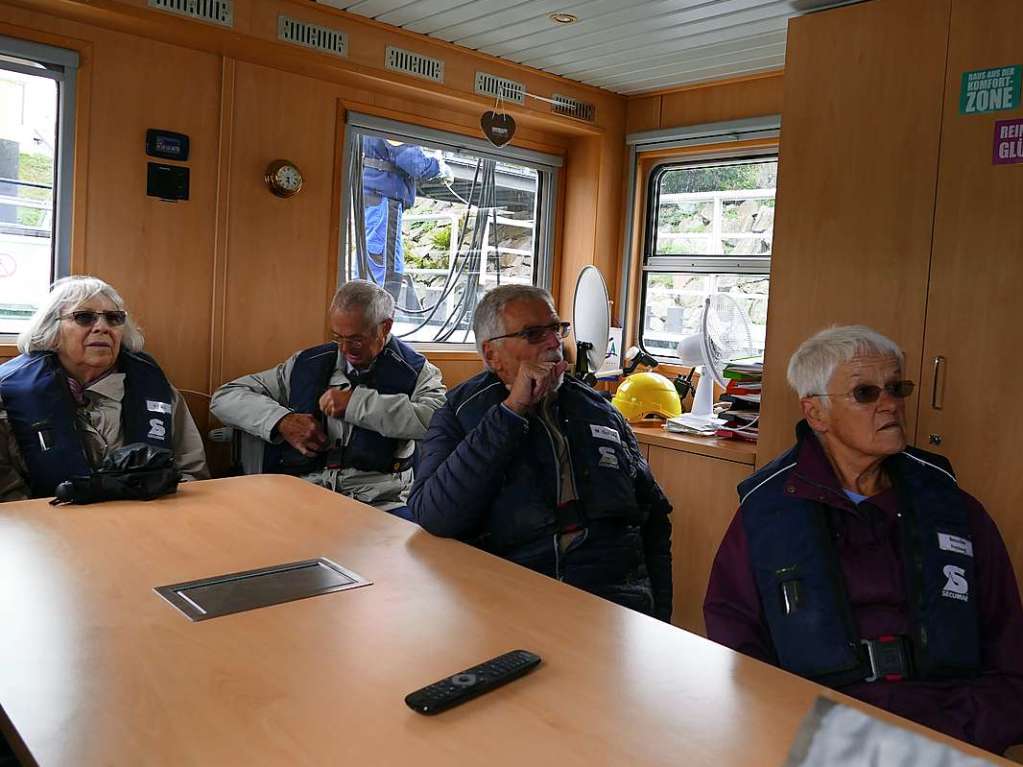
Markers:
point(608, 458)
point(156, 429)
point(956, 587)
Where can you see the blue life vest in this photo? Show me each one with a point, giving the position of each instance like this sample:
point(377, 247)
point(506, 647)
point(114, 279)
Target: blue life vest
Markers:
point(525, 507)
point(39, 405)
point(790, 539)
point(395, 371)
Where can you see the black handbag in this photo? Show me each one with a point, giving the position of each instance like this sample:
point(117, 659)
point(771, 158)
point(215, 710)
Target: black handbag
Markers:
point(135, 472)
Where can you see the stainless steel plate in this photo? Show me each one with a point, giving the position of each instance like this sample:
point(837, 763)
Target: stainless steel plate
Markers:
point(238, 592)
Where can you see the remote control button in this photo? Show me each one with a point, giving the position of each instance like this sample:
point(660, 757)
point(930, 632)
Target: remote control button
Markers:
point(464, 679)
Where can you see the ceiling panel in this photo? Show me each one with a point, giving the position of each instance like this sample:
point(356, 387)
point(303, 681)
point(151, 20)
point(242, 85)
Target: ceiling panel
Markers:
point(625, 46)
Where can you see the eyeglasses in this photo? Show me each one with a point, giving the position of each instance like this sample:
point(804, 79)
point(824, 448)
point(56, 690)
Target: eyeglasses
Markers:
point(538, 333)
point(87, 318)
point(868, 393)
point(352, 342)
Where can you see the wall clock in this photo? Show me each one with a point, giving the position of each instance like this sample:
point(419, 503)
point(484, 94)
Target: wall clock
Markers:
point(284, 178)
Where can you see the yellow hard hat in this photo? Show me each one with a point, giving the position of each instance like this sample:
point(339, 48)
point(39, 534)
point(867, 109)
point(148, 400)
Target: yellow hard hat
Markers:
point(644, 394)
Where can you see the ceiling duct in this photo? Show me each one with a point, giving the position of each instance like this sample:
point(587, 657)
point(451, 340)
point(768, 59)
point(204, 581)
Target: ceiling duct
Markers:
point(325, 39)
point(213, 11)
point(415, 64)
point(572, 107)
point(500, 87)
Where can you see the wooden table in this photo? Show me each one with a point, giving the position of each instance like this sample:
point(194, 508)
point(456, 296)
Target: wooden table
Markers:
point(97, 669)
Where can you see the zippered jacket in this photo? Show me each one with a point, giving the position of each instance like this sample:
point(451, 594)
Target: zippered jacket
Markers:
point(256, 403)
point(965, 596)
point(493, 478)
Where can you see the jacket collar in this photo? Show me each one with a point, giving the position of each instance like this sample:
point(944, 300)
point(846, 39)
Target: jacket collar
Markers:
point(814, 478)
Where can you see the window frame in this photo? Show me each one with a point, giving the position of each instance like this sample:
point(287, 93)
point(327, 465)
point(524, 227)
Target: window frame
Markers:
point(358, 125)
point(60, 65)
point(654, 263)
point(704, 144)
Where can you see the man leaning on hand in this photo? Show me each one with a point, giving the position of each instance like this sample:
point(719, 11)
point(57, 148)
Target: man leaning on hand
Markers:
point(540, 469)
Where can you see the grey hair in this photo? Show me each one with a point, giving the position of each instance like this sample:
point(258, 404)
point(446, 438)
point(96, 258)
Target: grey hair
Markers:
point(817, 358)
point(66, 294)
point(488, 321)
point(375, 303)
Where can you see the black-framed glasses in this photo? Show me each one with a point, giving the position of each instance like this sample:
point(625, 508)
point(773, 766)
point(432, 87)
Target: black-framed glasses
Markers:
point(87, 318)
point(537, 333)
point(868, 393)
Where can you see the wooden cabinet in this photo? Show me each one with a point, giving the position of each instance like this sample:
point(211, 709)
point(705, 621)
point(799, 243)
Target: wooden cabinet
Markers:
point(856, 176)
point(973, 317)
point(701, 489)
point(891, 213)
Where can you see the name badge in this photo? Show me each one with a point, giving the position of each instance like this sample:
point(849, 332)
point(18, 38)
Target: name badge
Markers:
point(157, 407)
point(605, 432)
point(955, 544)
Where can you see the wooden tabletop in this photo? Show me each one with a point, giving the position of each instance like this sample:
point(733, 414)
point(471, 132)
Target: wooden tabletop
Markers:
point(737, 450)
point(97, 669)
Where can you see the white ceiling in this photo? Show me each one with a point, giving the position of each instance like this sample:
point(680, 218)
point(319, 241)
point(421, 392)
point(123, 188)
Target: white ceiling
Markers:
point(625, 46)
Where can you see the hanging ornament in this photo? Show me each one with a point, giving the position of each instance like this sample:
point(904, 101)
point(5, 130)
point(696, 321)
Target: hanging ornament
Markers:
point(498, 126)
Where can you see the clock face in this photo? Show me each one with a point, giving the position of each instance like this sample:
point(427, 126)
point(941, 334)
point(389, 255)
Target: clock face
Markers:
point(289, 178)
point(283, 178)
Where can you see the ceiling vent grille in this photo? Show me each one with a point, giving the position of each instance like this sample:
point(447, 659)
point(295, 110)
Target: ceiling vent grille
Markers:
point(415, 64)
point(492, 85)
point(215, 11)
point(324, 39)
point(566, 105)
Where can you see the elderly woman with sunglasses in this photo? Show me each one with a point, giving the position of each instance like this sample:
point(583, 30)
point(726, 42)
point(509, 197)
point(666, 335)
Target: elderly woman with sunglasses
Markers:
point(858, 562)
point(81, 387)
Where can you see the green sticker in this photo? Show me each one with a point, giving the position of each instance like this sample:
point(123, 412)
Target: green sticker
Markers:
point(989, 90)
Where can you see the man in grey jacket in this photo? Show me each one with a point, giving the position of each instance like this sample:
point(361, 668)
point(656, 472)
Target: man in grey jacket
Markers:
point(346, 414)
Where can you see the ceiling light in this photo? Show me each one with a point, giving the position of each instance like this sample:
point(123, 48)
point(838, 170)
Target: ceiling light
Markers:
point(563, 18)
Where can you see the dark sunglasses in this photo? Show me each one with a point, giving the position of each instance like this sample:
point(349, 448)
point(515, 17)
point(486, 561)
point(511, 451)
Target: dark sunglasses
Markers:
point(87, 318)
point(868, 393)
point(538, 333)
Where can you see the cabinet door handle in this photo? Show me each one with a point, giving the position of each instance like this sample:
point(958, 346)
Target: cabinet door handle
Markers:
point(938, 389)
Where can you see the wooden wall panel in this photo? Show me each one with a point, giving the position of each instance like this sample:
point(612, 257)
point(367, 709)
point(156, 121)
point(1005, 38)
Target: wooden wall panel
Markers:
point(857, 174)
point(157, 254)
point(279, 259)
point(456, 368)
point(976, 271)
point(643, 114)
point(715, 102)
point(706, 103)
point(702, 492)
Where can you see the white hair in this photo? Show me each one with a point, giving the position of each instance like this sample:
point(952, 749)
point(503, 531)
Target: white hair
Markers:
point(817, 358)
point(66, 294)
point(488, 321)
point(375, 303)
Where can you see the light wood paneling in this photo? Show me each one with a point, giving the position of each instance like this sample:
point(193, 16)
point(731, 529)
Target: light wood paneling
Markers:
point(976, 270)
point(856, 180)
point(643, 114)
point(157, 254)
point(702, 492)
point(455, 367)
point(704, 103)
point(278, 252)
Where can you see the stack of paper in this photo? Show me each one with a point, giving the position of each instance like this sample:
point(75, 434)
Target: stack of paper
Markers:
point(743, 398)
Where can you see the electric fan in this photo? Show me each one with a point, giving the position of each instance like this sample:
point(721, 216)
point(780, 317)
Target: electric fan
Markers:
point(725, 336)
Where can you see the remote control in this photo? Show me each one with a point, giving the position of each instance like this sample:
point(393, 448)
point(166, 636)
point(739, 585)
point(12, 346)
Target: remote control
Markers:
point(474, 681)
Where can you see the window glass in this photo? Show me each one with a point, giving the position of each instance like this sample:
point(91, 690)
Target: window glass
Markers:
point(28, 150)
point(437, 227)
point(710, 228)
